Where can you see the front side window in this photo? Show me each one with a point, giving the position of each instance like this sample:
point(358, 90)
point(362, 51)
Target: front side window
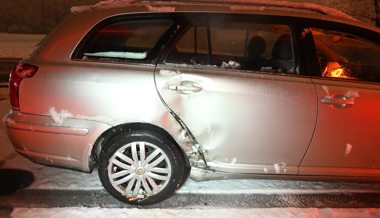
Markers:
point(346, 56)
point(227, 42)
point(125, 40)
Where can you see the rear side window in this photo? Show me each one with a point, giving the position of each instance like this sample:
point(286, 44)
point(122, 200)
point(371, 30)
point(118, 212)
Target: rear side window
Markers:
point(124, 40)
point(237, 43)
point(346, 56)
point(252, 46)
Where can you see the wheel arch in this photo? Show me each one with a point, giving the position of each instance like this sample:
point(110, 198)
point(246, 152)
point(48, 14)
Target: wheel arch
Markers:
point(125, 128)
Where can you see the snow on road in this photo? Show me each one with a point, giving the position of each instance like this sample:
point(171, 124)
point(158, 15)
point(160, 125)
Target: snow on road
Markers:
point(196, 213)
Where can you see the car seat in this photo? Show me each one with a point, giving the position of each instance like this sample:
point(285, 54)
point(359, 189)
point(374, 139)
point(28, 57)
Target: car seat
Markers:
point(282, 54)
point(255, 48)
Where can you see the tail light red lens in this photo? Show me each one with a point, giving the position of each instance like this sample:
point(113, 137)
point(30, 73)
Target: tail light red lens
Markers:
point(19, 73)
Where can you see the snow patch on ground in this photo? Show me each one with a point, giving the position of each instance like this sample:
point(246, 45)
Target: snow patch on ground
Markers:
point(189, 213)
point(54, 178)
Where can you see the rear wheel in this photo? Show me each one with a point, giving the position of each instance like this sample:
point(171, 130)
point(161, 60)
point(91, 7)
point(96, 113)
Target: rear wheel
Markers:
point(141, 167)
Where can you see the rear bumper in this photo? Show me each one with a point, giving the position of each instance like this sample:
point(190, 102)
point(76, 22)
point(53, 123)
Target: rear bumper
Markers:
point(41, 140)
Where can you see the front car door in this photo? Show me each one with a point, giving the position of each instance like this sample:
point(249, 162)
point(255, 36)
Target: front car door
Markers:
point(346, 139)
point(249, 109)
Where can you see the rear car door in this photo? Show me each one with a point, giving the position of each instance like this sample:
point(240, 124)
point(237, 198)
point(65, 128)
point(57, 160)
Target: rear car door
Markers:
point(250, 110)
point(346, 140)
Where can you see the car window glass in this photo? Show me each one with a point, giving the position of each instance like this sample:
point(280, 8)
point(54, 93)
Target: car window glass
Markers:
point(194, 41)
point(237, 45)
point(346, 56)
point(192, 48)
point(132, 40)
point(252, 46)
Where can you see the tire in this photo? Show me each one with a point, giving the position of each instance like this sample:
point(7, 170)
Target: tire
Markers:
point(185, 176)
point(141, 167)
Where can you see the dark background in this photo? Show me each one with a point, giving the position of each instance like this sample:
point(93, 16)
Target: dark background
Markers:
point(35, 16)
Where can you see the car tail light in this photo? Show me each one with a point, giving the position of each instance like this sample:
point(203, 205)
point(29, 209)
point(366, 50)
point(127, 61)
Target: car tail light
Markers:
point(19, 73)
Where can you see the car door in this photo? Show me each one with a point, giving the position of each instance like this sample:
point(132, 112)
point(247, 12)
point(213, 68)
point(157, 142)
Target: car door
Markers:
point(248, 120)
point(346, 139)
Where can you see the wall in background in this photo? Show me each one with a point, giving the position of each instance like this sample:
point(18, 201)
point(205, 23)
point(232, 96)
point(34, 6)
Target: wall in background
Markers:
point(35, 16)
point(363, 10)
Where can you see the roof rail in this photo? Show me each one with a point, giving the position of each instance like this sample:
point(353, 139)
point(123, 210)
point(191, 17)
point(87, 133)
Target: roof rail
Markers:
point(262, 3)
point(234, 4)
point(286, 4)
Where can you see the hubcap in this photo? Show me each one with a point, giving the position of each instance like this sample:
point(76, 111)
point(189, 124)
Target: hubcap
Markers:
point(139, 169)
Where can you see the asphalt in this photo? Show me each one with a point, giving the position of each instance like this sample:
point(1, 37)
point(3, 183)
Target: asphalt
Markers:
point(100, 198)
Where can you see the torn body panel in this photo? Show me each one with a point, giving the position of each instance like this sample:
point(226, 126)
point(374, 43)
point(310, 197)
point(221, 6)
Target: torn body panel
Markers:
point(232, 114)
point(197, 152)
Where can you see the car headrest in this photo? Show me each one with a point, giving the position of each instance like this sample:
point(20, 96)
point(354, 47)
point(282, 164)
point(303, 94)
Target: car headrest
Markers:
point(256, 46)
point(283, 48)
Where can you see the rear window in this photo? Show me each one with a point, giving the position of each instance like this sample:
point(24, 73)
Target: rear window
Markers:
point(124, 40)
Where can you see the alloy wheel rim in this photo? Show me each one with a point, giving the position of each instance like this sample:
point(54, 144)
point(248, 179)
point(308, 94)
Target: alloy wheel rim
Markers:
point(139, 170)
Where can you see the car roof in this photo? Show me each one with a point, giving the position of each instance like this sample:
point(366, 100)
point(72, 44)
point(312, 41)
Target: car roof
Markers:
point(165, 6)
point(85, 18)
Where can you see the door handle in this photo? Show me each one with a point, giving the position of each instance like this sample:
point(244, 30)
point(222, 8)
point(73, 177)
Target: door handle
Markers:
point(338, 101)
point(186, 87)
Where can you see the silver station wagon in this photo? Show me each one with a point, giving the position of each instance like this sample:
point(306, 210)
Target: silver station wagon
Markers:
point(151, 92)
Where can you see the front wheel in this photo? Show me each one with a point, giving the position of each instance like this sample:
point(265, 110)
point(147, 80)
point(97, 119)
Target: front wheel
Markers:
point(140, 168)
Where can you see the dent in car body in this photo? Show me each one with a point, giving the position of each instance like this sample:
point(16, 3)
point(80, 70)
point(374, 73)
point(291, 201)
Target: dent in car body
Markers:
point(229, 107)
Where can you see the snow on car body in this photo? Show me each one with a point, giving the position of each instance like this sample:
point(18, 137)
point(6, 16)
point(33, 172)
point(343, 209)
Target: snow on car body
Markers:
point(148, 90)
